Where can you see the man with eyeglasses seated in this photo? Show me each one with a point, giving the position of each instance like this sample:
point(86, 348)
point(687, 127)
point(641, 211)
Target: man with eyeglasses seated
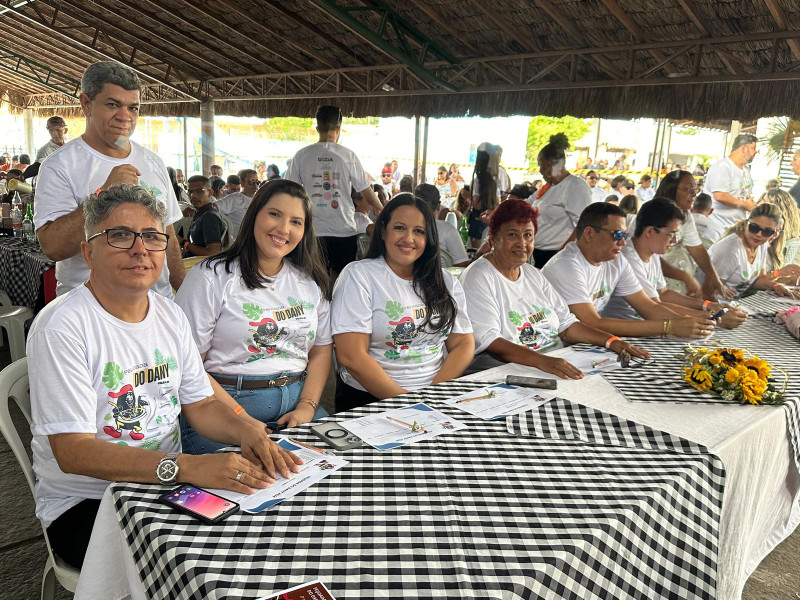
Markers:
point(658, 226)
point(589, 272)
point(115, 364)
point(235, 204)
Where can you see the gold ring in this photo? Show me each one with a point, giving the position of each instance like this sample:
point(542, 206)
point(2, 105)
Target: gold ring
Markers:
point(239, 475)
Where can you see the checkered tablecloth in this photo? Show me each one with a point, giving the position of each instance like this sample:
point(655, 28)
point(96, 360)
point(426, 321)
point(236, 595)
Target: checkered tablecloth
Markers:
point(662, 381)
point(22, 265)
point(565, 502)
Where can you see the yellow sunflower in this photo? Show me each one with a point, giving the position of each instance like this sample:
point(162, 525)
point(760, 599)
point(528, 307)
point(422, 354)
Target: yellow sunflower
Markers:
point(699, 379)
point(732, 376)
point(715, 359)
point(761, 367)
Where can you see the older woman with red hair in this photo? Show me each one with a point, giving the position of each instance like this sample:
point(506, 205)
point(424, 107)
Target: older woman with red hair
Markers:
point(516, 315)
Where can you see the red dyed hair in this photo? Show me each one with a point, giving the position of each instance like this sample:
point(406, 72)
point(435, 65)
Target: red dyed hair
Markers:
point(515, 210)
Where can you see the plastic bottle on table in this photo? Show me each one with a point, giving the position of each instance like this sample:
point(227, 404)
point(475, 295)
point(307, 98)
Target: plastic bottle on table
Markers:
point(16, 220)
point(27, 225)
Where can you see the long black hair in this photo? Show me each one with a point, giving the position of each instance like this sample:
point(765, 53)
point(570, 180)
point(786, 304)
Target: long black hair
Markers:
point(428, 279)
point(305, 255)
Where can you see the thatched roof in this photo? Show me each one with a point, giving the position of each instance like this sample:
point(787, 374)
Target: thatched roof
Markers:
point(683, 59)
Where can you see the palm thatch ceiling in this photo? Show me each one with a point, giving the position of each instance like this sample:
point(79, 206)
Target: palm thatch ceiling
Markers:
point(682, 59)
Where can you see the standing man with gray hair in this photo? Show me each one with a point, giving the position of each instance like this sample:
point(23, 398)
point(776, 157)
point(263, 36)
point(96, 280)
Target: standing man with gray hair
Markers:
point(730, 184)
point(57, 128)
point(102, 157)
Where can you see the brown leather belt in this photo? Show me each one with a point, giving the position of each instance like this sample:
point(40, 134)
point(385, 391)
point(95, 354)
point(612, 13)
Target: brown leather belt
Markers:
point(257, 384)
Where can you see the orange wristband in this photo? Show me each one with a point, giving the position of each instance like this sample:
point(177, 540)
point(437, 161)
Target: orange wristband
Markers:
point(776, 273)
point(611, 340)
point(238, 410)
point(705, 304)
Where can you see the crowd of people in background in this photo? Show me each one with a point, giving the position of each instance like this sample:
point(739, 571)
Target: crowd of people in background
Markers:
point(325, 261)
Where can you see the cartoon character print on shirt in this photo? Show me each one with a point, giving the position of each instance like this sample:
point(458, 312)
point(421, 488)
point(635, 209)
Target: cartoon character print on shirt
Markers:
point(143, 402)
point(534, 330)
point(270, 339)
point(404, 338)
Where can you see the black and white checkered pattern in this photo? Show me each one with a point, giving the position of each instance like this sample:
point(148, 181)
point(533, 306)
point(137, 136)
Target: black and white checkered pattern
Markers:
point(585, 506)
point(766, 303)
point(22, 264)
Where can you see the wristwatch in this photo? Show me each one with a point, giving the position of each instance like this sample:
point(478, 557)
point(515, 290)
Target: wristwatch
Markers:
point(167, 469)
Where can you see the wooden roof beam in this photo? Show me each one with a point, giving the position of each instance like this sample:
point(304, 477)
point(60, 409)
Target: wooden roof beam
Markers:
point(780, 20)
point(444, 24)
point(629, 24)
point(576, 36)
point(313, 28)
point(505, 25)
point(245, 16)
point(690, 8)
point(51, 26)
point(179, 17)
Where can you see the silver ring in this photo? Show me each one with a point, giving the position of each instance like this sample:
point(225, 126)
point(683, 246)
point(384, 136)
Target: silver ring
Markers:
point(239, 475)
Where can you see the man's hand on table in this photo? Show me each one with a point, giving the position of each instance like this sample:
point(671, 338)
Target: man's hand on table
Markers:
point(258, 448)
point(219, 471)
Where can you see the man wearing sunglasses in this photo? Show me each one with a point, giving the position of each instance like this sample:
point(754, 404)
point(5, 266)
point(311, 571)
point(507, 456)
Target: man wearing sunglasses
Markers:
point(730, 184)
point(115, 367)
point(598, 191)
point(235, 204)
point(589, 272)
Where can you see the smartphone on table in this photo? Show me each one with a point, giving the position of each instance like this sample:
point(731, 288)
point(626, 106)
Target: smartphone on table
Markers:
point(336, 436)
point(200, 504)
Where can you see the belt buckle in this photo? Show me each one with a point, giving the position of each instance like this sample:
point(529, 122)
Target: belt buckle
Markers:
point(274, 382)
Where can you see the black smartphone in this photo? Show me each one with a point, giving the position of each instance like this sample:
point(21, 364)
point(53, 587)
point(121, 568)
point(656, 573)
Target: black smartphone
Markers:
point(532, 382)
point(202, 505)
point(275, 426)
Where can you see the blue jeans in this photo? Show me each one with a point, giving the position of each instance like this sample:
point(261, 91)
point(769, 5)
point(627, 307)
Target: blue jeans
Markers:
point(264, 404)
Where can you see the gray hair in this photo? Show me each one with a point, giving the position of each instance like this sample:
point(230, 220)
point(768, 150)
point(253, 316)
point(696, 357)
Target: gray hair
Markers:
point(97, 207)
point(112, 72)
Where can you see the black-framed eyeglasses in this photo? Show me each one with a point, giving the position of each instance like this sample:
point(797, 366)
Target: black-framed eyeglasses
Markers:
point(252, 181)
point(124, 239)
point(617, 234)
point(673, 235)
point(755, 229)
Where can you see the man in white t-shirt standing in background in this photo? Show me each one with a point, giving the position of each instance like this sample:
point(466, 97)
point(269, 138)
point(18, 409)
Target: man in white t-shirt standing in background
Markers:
point(103, 156)
point(235, 204)
point(730, 184)
point(327, 170)
point(57, 128)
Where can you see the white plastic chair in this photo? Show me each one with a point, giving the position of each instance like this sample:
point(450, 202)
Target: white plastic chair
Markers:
point(363, 241)
point(447, 259)
point(13, 320)
point(14, 384)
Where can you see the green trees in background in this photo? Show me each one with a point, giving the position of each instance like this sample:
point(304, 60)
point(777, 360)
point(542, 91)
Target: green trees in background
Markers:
point(541, 128)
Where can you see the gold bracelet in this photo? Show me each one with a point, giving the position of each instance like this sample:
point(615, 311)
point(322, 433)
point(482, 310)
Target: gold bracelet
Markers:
point(311, 402)
point(669, 327)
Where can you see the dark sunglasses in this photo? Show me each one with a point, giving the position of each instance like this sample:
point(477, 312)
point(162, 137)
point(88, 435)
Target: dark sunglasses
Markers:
point(754, 229)
point(617, 234)
point(591, 177)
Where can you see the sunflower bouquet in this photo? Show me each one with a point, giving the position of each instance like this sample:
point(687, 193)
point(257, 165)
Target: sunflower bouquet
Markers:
point(728, 373)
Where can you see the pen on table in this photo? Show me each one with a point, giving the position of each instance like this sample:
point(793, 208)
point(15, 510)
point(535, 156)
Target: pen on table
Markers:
point(309, 446)
point(404, 424)
point(600, 363)
point(488, 395)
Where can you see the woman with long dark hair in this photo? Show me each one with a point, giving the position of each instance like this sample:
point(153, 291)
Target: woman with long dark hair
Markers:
point(396, 311)
point(681, 189)
point(260, 314)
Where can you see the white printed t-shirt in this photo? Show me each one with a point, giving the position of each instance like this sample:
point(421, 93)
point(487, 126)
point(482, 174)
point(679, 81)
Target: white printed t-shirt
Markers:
point(578, 281)
point(121, 382)
point(362, 221)
point(370, 298)
point(77, 170)
point(527, 311)
point(264, 331)
point(729, 258)
point(327, 171)
point(648, 274)
point(450, 241)
point(706, 228)
point(725, 176)
point(559, 209)
point(234, 206)
point(598, 194)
